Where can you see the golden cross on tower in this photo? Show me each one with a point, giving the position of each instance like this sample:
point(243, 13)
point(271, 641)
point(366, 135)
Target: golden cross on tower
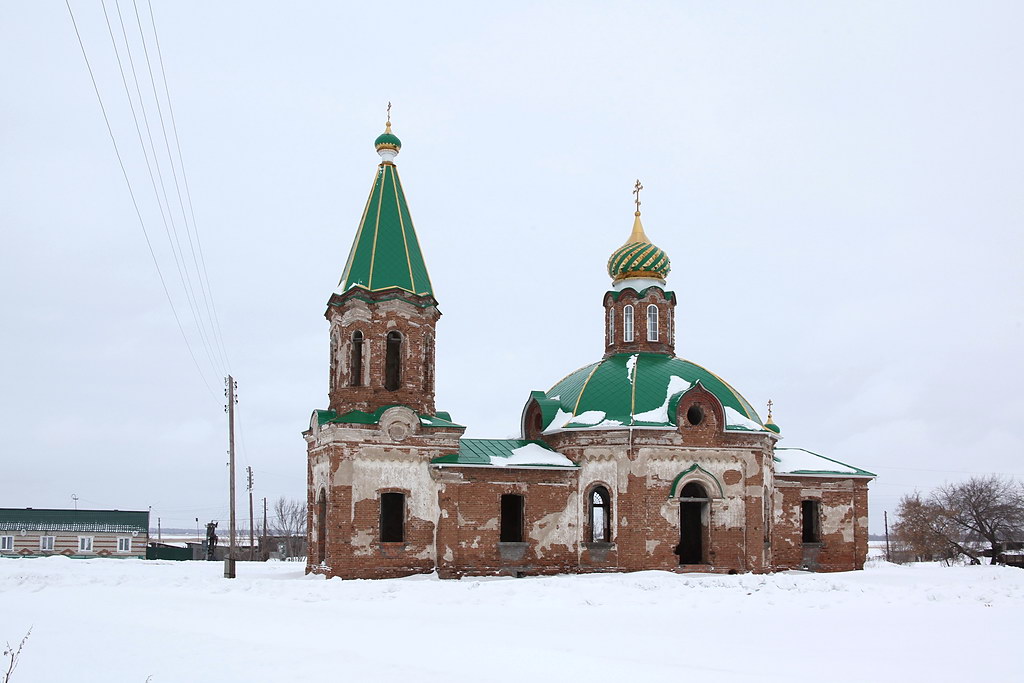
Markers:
point(389, 113)
point(770, 404)
point(636, 191)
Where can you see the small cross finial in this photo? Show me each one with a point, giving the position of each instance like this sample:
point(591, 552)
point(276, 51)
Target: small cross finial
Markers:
point(389, 114)
point(770, 404)
point(636, 191)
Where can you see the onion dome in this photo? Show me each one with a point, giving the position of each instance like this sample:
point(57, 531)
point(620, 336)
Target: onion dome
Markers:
point(387, 140)
point(636, 390)
point(638, 257)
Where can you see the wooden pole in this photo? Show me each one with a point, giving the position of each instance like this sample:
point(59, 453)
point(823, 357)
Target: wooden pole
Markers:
point(251, 540)
point(229, 561)
point(885, 516)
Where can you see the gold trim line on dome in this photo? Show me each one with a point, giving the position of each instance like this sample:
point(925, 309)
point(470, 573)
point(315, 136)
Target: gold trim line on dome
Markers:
point(579, 398)
point(639, 274)
point(376, 225)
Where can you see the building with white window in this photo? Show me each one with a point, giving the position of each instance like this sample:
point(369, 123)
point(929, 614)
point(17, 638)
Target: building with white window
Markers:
point(32, 532)
point(638, 460)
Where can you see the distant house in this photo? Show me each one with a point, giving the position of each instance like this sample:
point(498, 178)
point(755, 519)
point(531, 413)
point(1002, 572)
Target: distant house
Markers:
point(28, 532)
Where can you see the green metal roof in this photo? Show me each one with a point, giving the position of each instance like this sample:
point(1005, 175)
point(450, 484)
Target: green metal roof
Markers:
point(112, 521)
point(636, 389)
point(805, 462)
point(442, 419)
point(385, 253)
point(497, 452)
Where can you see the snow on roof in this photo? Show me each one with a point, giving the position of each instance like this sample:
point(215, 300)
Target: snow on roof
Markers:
point(532, 454)
point(801, 461)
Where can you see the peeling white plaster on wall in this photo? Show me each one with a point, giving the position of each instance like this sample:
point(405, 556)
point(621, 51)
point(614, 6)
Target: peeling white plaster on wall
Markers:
point(555, 528)
point(651, 546)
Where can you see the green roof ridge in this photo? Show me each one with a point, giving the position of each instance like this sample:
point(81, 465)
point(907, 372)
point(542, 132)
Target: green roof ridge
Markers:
point(386, 252)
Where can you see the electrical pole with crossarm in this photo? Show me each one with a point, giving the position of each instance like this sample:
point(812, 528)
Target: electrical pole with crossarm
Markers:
point(229, 561)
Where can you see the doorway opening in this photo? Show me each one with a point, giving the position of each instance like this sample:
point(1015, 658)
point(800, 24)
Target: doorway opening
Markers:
point(692, 532)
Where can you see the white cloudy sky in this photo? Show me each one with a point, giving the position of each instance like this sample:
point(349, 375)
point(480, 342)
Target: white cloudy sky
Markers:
point(838, 185)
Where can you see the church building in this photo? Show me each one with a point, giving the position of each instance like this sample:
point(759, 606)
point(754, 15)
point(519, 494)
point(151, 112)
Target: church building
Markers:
point(638, 460)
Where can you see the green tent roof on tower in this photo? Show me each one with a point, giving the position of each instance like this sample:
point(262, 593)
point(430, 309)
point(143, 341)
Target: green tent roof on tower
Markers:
point(386, 253)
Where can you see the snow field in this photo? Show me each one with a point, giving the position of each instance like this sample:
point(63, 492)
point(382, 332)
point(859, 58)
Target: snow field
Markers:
point(125, 620)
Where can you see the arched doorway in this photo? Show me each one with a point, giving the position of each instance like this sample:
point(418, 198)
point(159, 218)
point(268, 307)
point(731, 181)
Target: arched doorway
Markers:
point(321, 527)
point(693, 501)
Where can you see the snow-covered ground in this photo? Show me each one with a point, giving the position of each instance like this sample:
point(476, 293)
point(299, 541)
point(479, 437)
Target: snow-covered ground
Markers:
point(126, 620)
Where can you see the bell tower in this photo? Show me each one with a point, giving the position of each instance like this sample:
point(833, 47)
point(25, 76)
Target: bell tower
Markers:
point(639, 314)
point(383, 313)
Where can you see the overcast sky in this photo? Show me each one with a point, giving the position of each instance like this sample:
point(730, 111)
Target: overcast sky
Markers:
point(838, 185)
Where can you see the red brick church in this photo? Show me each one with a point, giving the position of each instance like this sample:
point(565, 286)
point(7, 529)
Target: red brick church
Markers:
point(639, 460)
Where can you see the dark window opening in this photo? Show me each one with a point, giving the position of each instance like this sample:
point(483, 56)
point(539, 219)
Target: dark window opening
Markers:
point(695, 415)
point(511, 518)
point(811, 513)
point(691, 524)
point(321, 527)
point(356, 378)
point(428, 364)
point(538, 422)
point(392, 517)
point(600, 516)
point(393, 362)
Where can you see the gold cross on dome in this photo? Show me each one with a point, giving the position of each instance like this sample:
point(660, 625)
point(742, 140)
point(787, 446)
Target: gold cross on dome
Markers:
point(636, 191)
point(770, 404)
point(389, 113)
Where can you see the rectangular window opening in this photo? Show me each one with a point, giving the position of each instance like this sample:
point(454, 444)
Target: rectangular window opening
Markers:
point(85, 544)
point(511, 518)
point(124, 545)
point(810, 514)
point(46, 542)
point(392, 517)
point(6, 543)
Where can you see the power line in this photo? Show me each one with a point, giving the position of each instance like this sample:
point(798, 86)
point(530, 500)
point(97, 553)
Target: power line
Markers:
point(176, 247)
point(135, 204)
point(146, 153)
point(188, 193)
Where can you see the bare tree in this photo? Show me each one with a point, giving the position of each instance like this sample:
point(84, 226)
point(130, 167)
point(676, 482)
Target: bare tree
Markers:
point(290, 524)
point(11, 654)
point(991, 508)
point(952, 520)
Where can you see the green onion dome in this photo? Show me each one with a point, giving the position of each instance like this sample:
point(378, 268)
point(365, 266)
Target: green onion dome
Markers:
point(772, 426)
point(387, 140)
point(638, 257)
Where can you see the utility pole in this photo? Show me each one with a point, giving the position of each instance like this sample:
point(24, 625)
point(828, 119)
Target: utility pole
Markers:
point(229, 561)
point(159, 533)
point(885, 516)
point(249, 470)
point(263, 544)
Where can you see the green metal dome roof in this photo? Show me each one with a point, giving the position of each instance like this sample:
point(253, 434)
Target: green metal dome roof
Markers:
point(387, 139)
point(638, 257)
point(636, 389)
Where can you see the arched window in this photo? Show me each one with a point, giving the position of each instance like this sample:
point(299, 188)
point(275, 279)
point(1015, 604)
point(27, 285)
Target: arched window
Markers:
point(600, 515)
point(611, 325)
point(356, 364)
point(627, 323)
point(392, 517)
point(652, 323)
point(393, 361)
point(321, 527)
